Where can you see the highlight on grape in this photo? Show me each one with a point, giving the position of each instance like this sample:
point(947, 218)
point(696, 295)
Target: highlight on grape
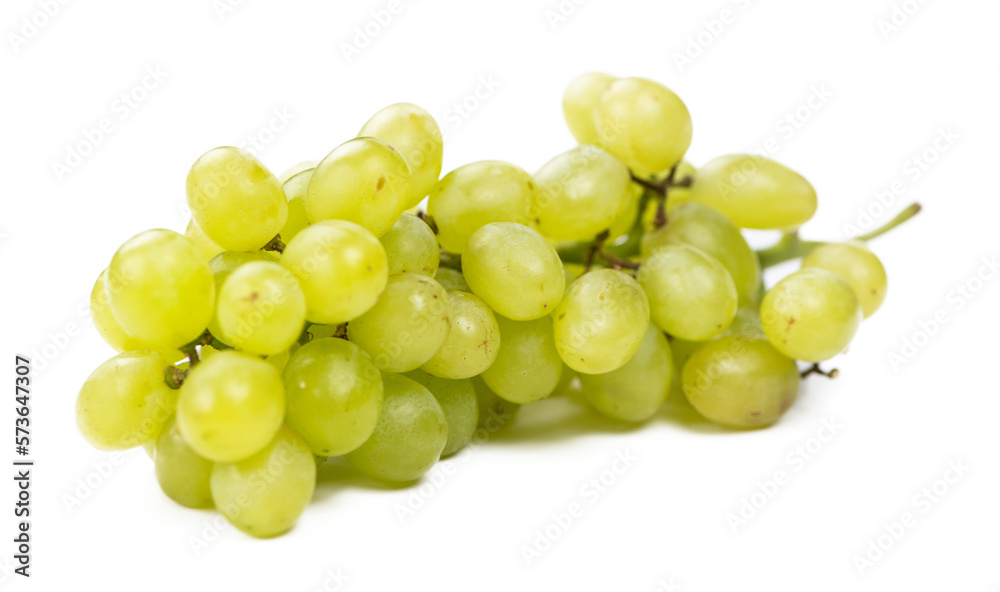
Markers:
point(326, 313)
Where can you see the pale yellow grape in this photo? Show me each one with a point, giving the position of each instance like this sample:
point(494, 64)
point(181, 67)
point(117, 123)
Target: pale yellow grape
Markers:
point(293, 171)
point(265, 494)
point(528, 366)
point(182, 474)
point(477, 194)
point(746, 323)
point(811, 315)
point(451, 279)
point(261, 308)
point(601, 321)
point(580, 193)
point(333, 395)
point(160, 289)
point(856, 264)
point(409, 437)
point(495, 412)
point(201, 240)
point(755, 192)
point(125, 402)
point(514, 270)
point(221, 266)
point(691, 295)
point(740, 382)
point(295, 190)
point(626, 218)
point(410, 246)
point(414, 133)
point(644, 124)
point(579, 101)
point(408, 324)
point(364, 181)
point(105, 322)
point(230, 406)
point(235, 200)
point(705, 229)
point(473, 340)
point(458, 403)
point(637, 390)
point(341, 267)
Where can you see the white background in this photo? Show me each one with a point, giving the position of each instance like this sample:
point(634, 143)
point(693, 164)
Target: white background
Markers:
point(662, 524)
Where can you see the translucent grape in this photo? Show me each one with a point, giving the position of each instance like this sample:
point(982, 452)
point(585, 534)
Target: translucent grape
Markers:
point(182, 474)
point(740, 382)
point(580, 193)
point(410, 246)
point(201, 240)
point(528, 366)
point(746, 323)
point(265, 494)
point(644, 124)
point(407, 325)
point(811, 315)
point(365, 181)
point(473, 340)
point(341, 267)
point(414, 133)
point(626, 217)
point(230, 406)
point(637, 390)
point(334, 395)
point(705, 229)
point(856, 264)
point(516, 271)
point(601, 321)
point(755, 192)
point(477, 194)
point(409, 437)
point(160, 289)
point(222, 266)
point(458, 402)
point(261, 308)
point(125, 402)
point(691, 295)
point(105, 322)
point(292, 171)
point(579, 102)
point(451, 279)
point(495, 412)
point(295, 190)
point(237, 202)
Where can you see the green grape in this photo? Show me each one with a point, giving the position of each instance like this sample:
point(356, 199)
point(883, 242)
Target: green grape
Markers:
point(409, 437)
point(295, 189)
point(856, 264)
point(755, 192)
point(451, 279)
point(407, 325)
point(691, 295)
point(528, 367)
point(160, 289)
point(201, 240)
point(105, 322)
point(580, 193)
point(600, 323)
point(473, 340)
point(746, 324)
point(306, 165)
point(261, 308)
point(458, 402)
point(579, 101)
point(625, 220)
point(740, 382)
point(414, 133)
point(280, 359)
point(681, 351)
point(514, 270)
point(495, 412)
point(182, 474)
point(410, 246)
point(709, 231)
point(264, 495)
point(222, 266)
point(125, 402)
point(477, 194)
point(333, 394)
point(230, 406)
point(364, 181)
point(237, 202)
point(811, 315)
point(341, 267)
point(637, 390)
point(644, 124)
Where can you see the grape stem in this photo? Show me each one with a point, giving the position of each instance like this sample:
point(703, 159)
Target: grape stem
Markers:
point(429, 220)
point(175, 376)
point(661, 190)
point(275, 244)
point(597, 248)
point(815, 369)
point(791, 246)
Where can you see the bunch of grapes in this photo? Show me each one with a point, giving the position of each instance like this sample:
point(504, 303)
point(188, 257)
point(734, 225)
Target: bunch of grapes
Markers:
point(321, 314)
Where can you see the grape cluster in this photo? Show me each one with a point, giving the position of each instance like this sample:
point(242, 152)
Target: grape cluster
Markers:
point(320, 314)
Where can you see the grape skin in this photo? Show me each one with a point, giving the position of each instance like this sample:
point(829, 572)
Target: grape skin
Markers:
point(459, 405)
point(410, 246)
point(579, 102)
point(473, 340)
point(856, 264)
point(528, 367)
point(261, 308)
point(414, 133)
point(451, 279)
point(182, 474)
point(637, 390)
point(295, 190)
point(201, 240)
